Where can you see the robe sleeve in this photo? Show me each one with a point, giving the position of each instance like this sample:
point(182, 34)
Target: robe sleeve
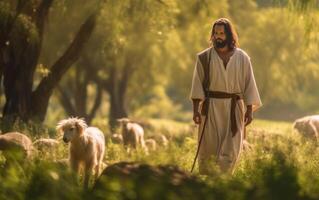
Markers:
point(251, 94)
point(198, 76)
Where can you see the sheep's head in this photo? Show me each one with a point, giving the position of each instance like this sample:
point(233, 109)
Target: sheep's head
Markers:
point(71, 128)
point(297, 125)
point(300, 125)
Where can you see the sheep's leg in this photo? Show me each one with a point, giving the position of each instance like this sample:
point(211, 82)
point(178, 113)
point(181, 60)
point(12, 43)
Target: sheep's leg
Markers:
point(135, 141)
point(100, 156)
point(87, 173)
point(75, 165)
point(97, 170)
point(86, 179)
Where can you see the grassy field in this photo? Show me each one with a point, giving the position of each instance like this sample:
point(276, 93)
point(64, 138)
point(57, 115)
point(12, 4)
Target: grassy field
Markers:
point(281, 165)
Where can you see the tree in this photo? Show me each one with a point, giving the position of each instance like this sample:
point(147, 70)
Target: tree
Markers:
point(125, 47)
point(75, 97)
point(22, 26)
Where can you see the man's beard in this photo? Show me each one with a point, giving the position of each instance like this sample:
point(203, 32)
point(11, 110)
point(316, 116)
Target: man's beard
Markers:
point(220, 43)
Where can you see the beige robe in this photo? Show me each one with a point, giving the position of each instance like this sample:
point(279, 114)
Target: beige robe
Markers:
point(218, 143)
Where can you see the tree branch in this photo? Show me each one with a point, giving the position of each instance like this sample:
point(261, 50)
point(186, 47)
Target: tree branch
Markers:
point(97, 103)
point(45, 88)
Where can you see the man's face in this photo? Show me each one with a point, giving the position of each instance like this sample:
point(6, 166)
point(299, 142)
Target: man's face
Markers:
point(219, 36)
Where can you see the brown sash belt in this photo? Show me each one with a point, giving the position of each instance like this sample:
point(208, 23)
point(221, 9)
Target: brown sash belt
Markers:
point(234, 98)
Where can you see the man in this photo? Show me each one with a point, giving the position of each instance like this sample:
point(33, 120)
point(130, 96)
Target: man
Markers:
point(224, 99)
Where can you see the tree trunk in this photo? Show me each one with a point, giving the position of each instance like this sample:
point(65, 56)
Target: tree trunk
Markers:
point(117, 91)
point(41, 96)
point(19, 60)
point(19, 57)
point(117, 108)
point(18, 75)
point(80, 96)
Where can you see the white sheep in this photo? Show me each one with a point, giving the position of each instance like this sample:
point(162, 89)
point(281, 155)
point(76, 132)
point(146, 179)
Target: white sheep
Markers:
point(117, 138)
point(45, 143)
point(308, 126)
point(14, 143)
point(163, 140)
point(160, 139)
point(132, 133)
point(87, 146)
point(151, 144)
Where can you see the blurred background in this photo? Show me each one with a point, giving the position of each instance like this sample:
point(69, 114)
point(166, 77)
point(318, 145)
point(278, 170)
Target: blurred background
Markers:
point(106, 59)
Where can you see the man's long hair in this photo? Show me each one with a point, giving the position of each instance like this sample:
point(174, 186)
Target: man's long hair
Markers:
point(231, 35)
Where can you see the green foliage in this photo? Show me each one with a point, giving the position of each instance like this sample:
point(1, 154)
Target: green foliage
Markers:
point(281, 165)
point(160, 106)
point(13, 182)
point(278, 57)
point(132, 33)
point(52, 181)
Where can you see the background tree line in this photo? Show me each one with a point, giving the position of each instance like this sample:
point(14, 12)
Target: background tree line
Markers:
point(110, 59)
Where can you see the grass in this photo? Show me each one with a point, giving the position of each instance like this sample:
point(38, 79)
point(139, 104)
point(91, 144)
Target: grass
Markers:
point(282, 165)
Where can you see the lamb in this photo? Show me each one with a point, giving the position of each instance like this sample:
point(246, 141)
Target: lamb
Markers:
point(160, 139)
point(45, 143)
point(15, 144)
point(151, 144)
point(117, 138)
point(132, 133)
point(308, 126)
point(163, 140)
point(87, 146)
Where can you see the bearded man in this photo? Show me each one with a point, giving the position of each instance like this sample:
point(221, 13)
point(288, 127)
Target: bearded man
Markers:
point(224, 96)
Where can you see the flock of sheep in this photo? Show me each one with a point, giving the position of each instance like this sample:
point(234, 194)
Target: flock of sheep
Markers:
point(87, 144)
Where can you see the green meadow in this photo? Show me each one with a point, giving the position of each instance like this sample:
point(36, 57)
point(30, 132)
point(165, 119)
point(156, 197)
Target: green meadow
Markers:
point(281, 164)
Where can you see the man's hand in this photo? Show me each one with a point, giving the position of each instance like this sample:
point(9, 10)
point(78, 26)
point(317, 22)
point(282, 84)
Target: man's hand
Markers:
point(196, 113)
point(197, 117)
point(248, 115)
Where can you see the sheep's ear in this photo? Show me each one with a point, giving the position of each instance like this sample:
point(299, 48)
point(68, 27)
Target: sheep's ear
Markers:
point(58, 128)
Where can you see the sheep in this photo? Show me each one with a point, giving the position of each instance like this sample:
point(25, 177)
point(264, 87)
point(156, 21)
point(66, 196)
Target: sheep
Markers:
point(308, 126)
point(45, 143)
point(87, 146)
point(15, 145)
point(163, 140)
point(151, 144)
point(132, 133)
point(117, 138)
point(47, 147)
point(160, 139)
